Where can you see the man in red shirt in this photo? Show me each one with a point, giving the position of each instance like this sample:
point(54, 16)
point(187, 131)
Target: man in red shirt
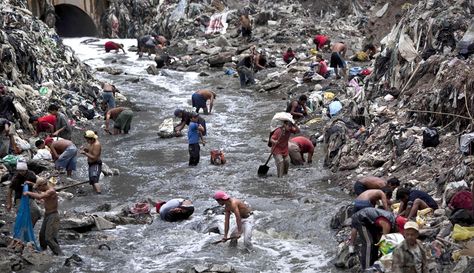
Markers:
point(113, 46)
point(321, 41)
point(298, 146)
point(43, 124)
point(289, 55)
point(279, 142)
point(321, 66)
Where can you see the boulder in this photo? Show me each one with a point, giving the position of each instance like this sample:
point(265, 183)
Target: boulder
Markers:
point(220, 59)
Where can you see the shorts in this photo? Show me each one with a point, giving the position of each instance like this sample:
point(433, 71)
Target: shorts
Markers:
point(246, 32)
point(199, 101)
point(359, 188)
point(337, 61)
point(94, 172)
point(123, 121)
point(68, 159)
point(361, 204)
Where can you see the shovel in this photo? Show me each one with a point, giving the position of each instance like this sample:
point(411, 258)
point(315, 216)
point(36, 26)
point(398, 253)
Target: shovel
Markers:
point(263, 169)
point(224, 240)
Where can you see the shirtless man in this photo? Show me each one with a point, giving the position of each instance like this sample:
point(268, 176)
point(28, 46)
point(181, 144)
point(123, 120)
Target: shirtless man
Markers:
point(337, 59)
point(200, 98)
point(48, 235)
point(108, 96)
point(372, 182)
point(246, 26)
point(243, 219)
point(369, 199)
point(122, 118)
point(93, 152)
point(64, 154)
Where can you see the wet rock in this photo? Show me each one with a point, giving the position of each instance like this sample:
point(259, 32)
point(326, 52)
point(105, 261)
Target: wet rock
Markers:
point(104, 207)
point(110, 70)
point(75, 260)
point(222, 268)
point(39, 166)
point(133, 80)
point(107, 171)
point(152, 70)
point(220, 59)
point(36, 258)
point(272, 85)
point(203, 74)
point(201, 268)
point(222, 42)
point(344, 213)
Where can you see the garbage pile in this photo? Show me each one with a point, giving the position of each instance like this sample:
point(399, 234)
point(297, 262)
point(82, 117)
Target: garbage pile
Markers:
point(37, 69)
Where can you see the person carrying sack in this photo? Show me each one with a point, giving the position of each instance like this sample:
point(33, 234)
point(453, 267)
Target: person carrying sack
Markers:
point(279, 140)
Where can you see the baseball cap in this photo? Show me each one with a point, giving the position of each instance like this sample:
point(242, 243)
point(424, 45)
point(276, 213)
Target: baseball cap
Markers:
point(21, 166)
point(158, 206)
point(412, 225)
point(90, 134)
point(220, 195)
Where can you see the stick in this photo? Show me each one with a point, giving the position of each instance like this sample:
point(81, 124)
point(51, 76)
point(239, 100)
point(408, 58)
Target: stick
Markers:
point(224, 240)
point(440, 113)
point(70, 186)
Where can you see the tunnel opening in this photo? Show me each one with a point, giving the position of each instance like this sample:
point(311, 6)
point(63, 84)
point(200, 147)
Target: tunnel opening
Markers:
point(72, 21)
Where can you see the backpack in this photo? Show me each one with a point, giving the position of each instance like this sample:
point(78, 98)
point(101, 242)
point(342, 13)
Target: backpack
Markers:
point(430, 137)
point(217, 157)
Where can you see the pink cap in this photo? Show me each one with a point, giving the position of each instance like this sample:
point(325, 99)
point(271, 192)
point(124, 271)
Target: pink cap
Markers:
point(220, 195)
point(48, 140)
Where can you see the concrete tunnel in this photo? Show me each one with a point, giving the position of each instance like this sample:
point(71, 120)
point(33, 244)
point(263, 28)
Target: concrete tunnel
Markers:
point(72, 21)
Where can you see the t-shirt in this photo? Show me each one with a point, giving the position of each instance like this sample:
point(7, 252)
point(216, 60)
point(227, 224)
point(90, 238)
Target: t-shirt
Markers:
point(288, 55)
point(193, 133)
point(62, 122)
point(282, 146)
point(165, 210)
point(44, 121)
point(320, 39)
point(111, 46)
point(306, 146)
point(323, 68)
point(414, 194)
point(18, 180)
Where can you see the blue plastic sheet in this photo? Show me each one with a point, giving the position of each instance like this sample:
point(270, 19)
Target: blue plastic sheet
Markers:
point(23, 226)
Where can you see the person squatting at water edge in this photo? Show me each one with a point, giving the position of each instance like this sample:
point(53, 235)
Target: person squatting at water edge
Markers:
point(243, 218)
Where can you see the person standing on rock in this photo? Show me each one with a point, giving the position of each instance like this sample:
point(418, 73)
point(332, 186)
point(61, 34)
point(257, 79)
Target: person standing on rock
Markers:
point(245, 70)
point(371, 182)
point(243, 219)
point(321, 42)
point(297, 108)
point(186, 120)
point(194, 135)
point(279, 140)
point(297, 147)
point(7, 138)
point(200, 98)
point(246, 27)
point(337, 59)
point(122, 118)
point(48, 235)
point(21, 176)
point(108, 96)
point(63, 129)
point(43, 124)
point(93, 150)
point(113, 46)
point(64, 154)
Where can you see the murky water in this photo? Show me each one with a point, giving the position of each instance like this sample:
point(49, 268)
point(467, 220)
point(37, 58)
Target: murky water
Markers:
point(290, 235)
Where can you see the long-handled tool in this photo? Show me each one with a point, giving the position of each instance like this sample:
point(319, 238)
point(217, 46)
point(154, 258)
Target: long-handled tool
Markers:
point(224, 240)
point(263, 169)
point(70, 186)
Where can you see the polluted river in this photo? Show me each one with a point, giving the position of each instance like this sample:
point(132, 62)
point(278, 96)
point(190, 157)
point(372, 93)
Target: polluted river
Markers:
point(292, 214)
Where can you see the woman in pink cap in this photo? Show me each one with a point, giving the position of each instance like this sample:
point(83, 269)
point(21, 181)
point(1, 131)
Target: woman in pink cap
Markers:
point(243, 219)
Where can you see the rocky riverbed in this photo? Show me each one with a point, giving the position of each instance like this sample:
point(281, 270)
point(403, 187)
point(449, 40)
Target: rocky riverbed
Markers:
point(417, 80)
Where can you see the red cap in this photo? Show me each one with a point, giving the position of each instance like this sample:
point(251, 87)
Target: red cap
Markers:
point(220, 195)
point(48, 140)
point(158, 206)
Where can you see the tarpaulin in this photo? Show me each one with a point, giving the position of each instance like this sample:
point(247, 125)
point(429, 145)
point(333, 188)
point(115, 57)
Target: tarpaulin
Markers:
point(218, 23)
point(23, 226)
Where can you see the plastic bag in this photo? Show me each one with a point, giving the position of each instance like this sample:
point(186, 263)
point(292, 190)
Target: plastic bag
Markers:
point(461, 233)
point(388, 242)
point(10, 160)
point(23, 226)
